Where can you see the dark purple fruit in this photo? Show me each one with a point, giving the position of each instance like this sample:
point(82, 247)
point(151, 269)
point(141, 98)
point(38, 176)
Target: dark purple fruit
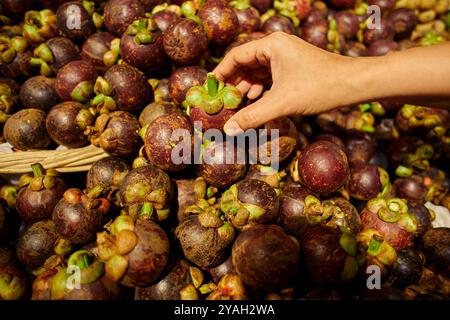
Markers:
point(52, 4)
point(278, 23)
point(25, 130)
point(342, 4)
point(322, 167)
point(182, 79)
point(95, 47)
point(135, 253)
point(141, 46)
point(156, 109)
point(216, 169)
point(7, 221)
point(266, 258)
point(118, 14)
point(261, 5)
point(78, 217)
point(19, 68)
point(108, 174)
point(250, 202)
point(168, 142)
point(422, 215)
point(331, 138)
point(67, 122)
point(329, 258)
point(410, 188)
point(316, 33)
point(382, 47)
point(384, 5)
point(161, 90)
point(185, 42)
point(403, 21)
point(117, 133)
point(407, 269)
point(436, 248)
point(248, 17)
point(16, 8)
point(164, 19)
point(384, 32)
point(54, 54)
point(39, 194)
point(75, 81)
point(37, 243)
point(347, 24)
point(355, 49)
point(39, 92)
point(366, 182)
point(147, 187)
point(205, 238)
point(359, 150)
point(220, 22)
point(74, 12)
point(222, 269)
point(265, 173)
point(123, 87)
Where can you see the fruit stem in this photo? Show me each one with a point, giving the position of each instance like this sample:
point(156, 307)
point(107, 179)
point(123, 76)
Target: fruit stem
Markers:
point(38, 169)
point(212, 84)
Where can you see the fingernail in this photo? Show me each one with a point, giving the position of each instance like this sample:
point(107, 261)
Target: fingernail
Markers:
point(232, 128)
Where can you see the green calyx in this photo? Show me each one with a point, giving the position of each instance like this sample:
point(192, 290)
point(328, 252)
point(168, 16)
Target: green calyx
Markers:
point(7, 100)
point(287, 8)
point(189, 10)
point(142, 30)
point(83, 91)
point(213, 96)
point(11, 287)
point(365, 122)
point(321, 211)
point(9, 47)
point(418, 116)
point(386, 186)
point(43, 58)
point(430, 39)
point(103, 102)
point(242, 4)
point(111, 56)
point(375, 108)
point(40, 179)
point(373, 244)
point(393, 210)
point(166, 7)
point(39, 25)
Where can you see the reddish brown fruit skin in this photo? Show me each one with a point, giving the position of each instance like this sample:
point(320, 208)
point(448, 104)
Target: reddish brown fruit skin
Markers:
point(39, 92)
point(146, 57)
point(41, 285)
point(261, 5)
point(61, 124)
point(185, 42)
point(118, 14)
point(211, 121)
point(19, 68)
point(64, 51)
point(25, 130)
point(182, 79)
point(351, 217)
point(397, 237)
point(159, 144)
point(16, 8)
point(323, 167)
point(323, 254)
point(265, 257)
point(108, 173)
point(33, 206)
point(168, 288)
point(359, 151)
point(364, 182)
point(403, 21)
point(37, 243)
point(316, 33)
point(355, 49)
point(94, 49)
point(71, 75)
point(384, 5)
point(52, 4)
point(347, 24)
point(342, 4)
point(201, 245)
point(131, 90)
point(220, 22)
point(422, 216)
point(278, 23)
point(331, 138)
point(186, 196)
point(261, 194)
point(410, 188)
point(382, 47)
point(150, 4)
point(222, 269)
point(149, 258)
point(292, 216)
point(102, 289)
point(219, 173)
point(249, 20)
point(436, 247)
point(64, 16)
point(386, 31)
point(164, 19)
point(402, 146)
point(157, 109)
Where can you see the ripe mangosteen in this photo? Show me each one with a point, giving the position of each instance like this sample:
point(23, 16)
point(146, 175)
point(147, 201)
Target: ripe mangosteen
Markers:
point(250, 202)
point(39, 26)
point(267, 174)
point(67, 122)
point(347, 24)
point(316, 33)
point(212, 104)
point(221, 270)
point(404, 21)
point(14, 285)
point(16, 8)
point(80, 10)
point(342, 4)
point(9, 95)
point(75, 81)
point(229, 287)
point(385, 31)
point(117, 133)
point(168, 142)
point(359, 150)
point(355, 49)
point(410, 188)
point(278, 23)
point(25, 130)
point(182, 79)
point(382, 47)
point(185, 42)
point(118, 14)
point(95, 47)
point(220, 22)
point(78, 217)
point(141, 46)
point(39, 194)
point(436, 248)
point(248, 16)
point(39, 92)
point(407, 269)
point(135, 253)
point(261, 5)
point(164, 19)
point(216, 168)
point(147, 187)
point(15, 58)
point(156, 109)
point(108, 174)
point(321, 166)
point(266, 258)
point(123, 87)
point(54, 54)
point(384, 5)
point(367, 181)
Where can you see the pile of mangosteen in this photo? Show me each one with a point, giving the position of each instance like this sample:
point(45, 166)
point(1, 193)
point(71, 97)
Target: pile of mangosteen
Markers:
point(351, 195)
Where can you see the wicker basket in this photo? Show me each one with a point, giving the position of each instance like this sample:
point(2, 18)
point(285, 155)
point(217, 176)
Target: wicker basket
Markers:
point(69, 160)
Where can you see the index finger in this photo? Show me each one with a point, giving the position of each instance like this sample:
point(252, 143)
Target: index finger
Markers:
point(244, 55)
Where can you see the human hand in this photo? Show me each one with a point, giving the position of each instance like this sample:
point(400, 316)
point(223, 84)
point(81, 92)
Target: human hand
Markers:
point(305, 79)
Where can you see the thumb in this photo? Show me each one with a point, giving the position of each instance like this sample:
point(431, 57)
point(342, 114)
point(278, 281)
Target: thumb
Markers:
point(254, 115)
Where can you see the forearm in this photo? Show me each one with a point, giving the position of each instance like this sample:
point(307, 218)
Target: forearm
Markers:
point(420, 75)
